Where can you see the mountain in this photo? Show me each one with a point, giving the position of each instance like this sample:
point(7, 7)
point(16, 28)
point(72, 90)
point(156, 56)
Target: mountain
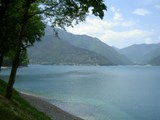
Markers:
point(155, 53)
point(141, 53)
point(94, 45)
point(155, 61)
point(53, 50)
point(62, 47)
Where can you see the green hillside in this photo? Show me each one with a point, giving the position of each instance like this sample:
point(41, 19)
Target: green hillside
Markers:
point(155, 61)
point(17, 108)
point(94, 45)
point(52, 50)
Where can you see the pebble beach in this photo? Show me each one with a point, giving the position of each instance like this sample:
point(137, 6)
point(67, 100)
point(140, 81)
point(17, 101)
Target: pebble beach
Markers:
point(49, 109)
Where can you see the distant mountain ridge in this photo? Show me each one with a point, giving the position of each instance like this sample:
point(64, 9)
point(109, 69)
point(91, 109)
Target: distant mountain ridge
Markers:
point(67, 48)
point(141, 53)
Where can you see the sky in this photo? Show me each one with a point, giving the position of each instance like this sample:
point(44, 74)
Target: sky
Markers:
point(126, 22)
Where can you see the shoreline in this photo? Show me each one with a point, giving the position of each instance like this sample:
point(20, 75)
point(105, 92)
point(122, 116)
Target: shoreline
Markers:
point(54, 112)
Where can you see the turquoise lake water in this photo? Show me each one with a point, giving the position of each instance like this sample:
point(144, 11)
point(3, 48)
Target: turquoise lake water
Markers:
point(95, 92)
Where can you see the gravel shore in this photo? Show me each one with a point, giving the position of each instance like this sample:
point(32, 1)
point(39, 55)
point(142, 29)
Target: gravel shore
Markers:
point(50, 110)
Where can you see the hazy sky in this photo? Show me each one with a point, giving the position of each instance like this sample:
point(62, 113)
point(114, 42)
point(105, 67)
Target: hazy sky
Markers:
point(126, 22)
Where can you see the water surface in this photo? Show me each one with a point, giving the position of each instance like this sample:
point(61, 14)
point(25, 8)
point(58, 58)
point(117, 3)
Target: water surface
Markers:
point(96, 92)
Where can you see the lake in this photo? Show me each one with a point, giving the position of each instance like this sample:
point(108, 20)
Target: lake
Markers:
point(95, 92)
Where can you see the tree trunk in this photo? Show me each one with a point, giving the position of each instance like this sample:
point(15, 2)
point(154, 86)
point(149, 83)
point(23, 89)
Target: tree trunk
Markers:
point(12, 77)
point(16, 59)
point(1, 60)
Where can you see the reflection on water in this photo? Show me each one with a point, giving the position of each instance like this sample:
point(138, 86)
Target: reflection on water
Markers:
point(94, 92)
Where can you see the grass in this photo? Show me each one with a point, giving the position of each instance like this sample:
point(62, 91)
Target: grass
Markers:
point(17, 108)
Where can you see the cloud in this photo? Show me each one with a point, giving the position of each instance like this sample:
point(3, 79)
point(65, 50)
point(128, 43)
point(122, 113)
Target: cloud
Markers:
point(148, 40)
point(112, 9)
point(95, 27)
point(157, 6)
point(151, 40)
point(106, 32)
point(124, 38)
point(117, 15)
point(141, 12)
point(127, 24)
point(124, 35)
point(116, 31)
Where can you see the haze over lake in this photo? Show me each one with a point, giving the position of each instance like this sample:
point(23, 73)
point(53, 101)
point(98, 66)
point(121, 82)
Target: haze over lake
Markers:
point(95, 92)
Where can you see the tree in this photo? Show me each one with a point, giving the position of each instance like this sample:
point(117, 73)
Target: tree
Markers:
point(29, 28)
point(67, 12)
point(5, 5)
